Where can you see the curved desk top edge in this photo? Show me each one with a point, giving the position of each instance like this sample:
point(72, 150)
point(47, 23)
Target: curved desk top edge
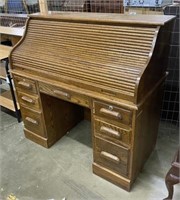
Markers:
point(107, 18)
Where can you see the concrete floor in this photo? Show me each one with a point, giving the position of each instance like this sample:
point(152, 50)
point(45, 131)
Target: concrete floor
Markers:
point(31, 172)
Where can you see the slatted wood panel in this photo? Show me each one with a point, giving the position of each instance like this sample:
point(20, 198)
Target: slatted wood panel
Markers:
point(111, 57)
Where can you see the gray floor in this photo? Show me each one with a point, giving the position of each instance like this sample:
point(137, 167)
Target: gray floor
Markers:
point(31, 172)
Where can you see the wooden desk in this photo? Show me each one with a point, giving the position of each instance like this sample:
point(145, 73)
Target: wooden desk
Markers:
point(4, 51)
point(112, 64)
point(13, 31)
point(7, 98)
point(13, 34)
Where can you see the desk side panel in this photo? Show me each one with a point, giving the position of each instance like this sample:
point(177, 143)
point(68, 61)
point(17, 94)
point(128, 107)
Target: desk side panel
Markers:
point(156, 68)
point(145, 131)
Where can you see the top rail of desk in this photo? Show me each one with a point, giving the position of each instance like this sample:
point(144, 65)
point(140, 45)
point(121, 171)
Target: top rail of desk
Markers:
point(108, 18)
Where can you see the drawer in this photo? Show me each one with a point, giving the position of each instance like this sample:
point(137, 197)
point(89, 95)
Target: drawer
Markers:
point(33, 121)
point(111, 156)
point(112, 112)
point(112, 133)
point(25, 85)
point(27, 100)
point(64, 94)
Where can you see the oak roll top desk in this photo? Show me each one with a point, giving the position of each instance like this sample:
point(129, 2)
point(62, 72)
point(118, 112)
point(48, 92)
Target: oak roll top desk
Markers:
point(112, 64)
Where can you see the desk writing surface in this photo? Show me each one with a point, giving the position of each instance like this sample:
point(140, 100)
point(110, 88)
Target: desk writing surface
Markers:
point(106, 63)
point(13, 31)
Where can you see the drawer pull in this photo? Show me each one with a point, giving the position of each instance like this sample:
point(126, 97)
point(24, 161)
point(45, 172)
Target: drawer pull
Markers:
point(64, 94)
point(27, 99)
point(31, 120)
point(111, 113)
point(24, 84)
point(110, 131)
point(110, 157)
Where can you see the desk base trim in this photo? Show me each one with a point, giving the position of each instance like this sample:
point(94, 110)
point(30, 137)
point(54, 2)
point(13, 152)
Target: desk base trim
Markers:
point(36, 138)
point(112, 177)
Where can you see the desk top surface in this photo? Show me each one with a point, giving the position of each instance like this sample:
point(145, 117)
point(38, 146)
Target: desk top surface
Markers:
point(4, 51)
point(107, 18)
point(14, 31)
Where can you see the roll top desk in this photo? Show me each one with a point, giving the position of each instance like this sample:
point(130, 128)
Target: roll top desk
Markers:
point(112, 64)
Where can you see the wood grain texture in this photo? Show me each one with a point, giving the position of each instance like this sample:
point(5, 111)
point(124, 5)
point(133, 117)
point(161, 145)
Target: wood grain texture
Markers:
point(111, 112)
point(113, 65)
point(111, 132)
point(115, 178)
point(25, 84)
point(86, 48)
point(107, 18)
point(60, 116)
point(2, 71)
point(6, 100)
point(28, 100)
point(111, 156)
point(4, 51)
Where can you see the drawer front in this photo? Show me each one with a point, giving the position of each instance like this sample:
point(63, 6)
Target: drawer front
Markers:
point(112, 133)
point(111, 156)
point(64, 94)
point(112, 112)
point(25, 85)
point(27, 100)
point(33, 121)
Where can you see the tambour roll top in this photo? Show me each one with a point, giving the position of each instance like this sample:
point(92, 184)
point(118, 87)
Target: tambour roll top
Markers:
point(116, 55)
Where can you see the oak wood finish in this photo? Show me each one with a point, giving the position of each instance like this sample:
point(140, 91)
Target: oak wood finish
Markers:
point(2, 71)
point(33, 121)
point(25, 85)
point(4, 51)
point(111, 132)
point(113, 65)
point(29, 100)
point(60, 115)
point(111, 156)
point(6, 100)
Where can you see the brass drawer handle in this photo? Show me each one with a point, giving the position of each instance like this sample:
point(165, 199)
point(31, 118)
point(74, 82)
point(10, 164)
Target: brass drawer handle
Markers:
point(24, 84)
point(111, 113)
point(33, 121)
point(109, 157)
point(27, 99)
point(61, 93)
point(110, 131)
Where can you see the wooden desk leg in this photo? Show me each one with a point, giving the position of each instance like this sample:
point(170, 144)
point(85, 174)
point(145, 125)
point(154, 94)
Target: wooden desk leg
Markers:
point(170, 180)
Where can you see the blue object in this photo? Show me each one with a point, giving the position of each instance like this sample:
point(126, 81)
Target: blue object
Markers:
point(15, 6)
